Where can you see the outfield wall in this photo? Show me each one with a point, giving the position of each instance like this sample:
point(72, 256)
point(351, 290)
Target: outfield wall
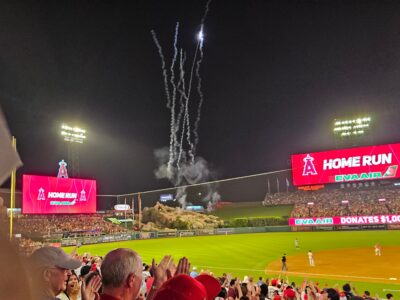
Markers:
point(84, 240)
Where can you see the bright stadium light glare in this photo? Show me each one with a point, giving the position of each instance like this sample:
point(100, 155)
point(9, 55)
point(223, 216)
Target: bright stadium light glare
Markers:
point(73, 134)
point(352, 127)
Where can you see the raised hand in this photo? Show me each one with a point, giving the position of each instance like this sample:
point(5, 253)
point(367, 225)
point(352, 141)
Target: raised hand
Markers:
point(90, 290)
point(162, 271)
point(183, 266)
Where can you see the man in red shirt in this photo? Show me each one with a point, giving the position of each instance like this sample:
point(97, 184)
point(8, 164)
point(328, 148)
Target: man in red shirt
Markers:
point(232, 295)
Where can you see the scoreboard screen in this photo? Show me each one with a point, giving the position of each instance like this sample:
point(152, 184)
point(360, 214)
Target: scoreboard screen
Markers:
point(53, 195)
point(346, 165)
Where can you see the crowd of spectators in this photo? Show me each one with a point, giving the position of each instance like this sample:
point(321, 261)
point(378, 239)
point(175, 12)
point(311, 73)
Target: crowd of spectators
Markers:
point(27, 246)
point(42, 225)
point(339, 202)
point(122, 275)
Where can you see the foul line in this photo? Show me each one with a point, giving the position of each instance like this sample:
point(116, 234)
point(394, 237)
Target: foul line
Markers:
point(302, 273)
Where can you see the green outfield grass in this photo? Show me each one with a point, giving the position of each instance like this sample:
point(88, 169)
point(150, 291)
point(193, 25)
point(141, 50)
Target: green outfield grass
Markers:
point(248, 254)
point(251, 210)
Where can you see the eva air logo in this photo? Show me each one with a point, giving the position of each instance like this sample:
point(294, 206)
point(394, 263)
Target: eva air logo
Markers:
point(309, 168)
point(391, 171)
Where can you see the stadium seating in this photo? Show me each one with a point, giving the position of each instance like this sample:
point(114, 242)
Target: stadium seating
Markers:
point(339, 202)
point(40, 225)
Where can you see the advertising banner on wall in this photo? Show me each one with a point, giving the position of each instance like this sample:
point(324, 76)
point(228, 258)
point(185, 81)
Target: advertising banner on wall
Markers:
point(53, 195)
point(345, 220)
point(346, 165)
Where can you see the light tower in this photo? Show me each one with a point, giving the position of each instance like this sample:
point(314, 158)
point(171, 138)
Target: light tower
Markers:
point(73, 136)
point(355, 131)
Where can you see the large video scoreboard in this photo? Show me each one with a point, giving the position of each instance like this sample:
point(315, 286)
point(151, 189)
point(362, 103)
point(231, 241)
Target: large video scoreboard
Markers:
point(53, 195)
point(346, 165)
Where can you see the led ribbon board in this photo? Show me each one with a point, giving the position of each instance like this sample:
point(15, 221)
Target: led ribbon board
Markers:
point(346, 220)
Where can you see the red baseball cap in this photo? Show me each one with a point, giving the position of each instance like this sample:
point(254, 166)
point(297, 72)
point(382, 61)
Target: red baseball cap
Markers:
point(289, 293)
point(184, 287)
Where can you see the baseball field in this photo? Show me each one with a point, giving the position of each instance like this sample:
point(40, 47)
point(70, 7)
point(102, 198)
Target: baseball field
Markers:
point(339, 256)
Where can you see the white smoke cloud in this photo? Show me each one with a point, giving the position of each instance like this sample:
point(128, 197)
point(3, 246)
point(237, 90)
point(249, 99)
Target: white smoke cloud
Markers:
point(189, 173)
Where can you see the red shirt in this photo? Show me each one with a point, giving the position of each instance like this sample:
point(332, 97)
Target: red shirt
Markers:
point(149, 283)
point(232, 292)
point(93, 268)
point(277, 297)
point(107, 297)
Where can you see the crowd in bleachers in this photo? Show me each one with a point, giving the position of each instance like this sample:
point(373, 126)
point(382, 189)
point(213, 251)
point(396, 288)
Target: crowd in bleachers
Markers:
point(41, 225)
point(27, 246)
point(339, 202)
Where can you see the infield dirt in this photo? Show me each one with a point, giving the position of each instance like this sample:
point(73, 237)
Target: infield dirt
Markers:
point(348, 264)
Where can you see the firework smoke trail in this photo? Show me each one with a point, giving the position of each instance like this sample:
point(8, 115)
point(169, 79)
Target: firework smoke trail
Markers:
point(164, 70)
point(171, 99)
point(188, 137)
point(172, 142)
point(203, 19)
point(182, 105)
point(179, 164)
point(181, 142)
point(199, 48)
point(201, 99)
point(199, 92)
point(181, 90)
point(183, 131)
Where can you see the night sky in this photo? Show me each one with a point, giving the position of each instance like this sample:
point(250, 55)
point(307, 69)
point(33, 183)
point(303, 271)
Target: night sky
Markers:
point(275, 74)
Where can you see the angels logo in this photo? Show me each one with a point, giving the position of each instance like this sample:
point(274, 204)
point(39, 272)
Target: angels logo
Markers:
point(83, 196)
point(62, 171)
point(309, 168)
point(41, 194)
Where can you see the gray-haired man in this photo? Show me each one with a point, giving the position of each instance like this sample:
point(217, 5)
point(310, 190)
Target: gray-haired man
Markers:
point(51, 267)
point(121, 272)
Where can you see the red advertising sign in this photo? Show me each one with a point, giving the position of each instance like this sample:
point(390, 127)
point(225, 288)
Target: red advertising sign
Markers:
point(345, 220)
point(52, 195)
point(346, 165)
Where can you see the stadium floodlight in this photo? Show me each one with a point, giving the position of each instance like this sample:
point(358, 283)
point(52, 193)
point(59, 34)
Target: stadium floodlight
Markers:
point(352, 127)
point(73, 134)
